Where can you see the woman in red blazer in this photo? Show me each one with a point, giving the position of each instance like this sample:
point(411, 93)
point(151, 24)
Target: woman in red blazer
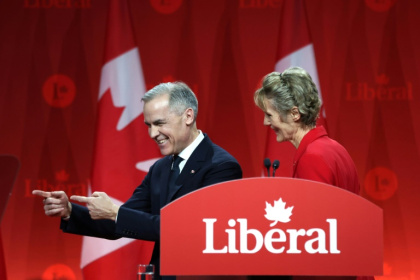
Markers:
point(291, 105)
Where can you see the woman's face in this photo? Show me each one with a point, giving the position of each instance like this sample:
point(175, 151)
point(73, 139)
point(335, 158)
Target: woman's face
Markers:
point(284, 126)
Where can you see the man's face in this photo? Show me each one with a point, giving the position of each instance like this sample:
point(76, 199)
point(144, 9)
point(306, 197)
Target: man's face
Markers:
point(169, 130)
point(283, 126)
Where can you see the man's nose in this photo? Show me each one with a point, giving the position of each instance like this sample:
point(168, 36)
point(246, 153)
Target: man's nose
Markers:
point(153, 131)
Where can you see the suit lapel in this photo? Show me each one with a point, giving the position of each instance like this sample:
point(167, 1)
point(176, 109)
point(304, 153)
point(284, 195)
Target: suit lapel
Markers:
point(166, 169)
point(194, 163)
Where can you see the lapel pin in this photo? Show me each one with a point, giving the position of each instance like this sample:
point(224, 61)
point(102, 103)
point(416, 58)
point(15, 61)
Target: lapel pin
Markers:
point(192, 171)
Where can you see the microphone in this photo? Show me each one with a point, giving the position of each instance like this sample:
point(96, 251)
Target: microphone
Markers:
point(267, 164)
point(276, 165)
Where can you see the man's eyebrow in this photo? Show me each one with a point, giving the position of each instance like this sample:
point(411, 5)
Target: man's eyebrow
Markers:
point(156, 122)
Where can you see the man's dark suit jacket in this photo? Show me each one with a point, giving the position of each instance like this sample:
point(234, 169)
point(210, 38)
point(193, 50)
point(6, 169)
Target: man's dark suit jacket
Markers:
point(139, 217)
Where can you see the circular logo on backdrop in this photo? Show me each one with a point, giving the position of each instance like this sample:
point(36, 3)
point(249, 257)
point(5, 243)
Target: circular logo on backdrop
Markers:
point(166, 6)
point(58, 271)
point(380, 6)
point(381, 183)
point(59, 91)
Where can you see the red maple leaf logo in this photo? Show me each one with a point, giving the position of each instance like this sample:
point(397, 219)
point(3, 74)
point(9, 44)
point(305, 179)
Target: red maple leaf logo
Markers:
point(382, 79)
point(61, 176)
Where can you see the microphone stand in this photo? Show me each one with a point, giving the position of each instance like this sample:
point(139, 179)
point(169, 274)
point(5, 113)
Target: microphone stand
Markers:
point(276, 165)
point(267, 164)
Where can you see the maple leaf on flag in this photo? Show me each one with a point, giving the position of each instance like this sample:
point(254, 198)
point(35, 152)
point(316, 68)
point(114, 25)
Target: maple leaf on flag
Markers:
point(278, 212)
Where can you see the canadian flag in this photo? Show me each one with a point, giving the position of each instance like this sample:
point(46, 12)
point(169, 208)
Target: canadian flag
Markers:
point(123, 149)
point(294, 49)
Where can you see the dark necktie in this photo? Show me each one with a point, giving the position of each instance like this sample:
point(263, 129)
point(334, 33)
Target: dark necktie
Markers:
point(174, 173)
point(176, 160)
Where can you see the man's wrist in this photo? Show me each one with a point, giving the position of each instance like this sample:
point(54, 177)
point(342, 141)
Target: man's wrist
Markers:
point(67, 217)
point(115, 209)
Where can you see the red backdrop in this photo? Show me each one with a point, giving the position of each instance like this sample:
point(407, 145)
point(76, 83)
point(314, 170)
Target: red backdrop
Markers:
point(368, 66)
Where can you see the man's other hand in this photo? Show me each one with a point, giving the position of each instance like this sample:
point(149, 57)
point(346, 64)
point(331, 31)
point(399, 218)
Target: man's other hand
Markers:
point(100, 206)
point(56, 204)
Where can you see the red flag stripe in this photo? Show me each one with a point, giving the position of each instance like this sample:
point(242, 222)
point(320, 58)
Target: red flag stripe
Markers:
point(119, 38)
point(294, 49)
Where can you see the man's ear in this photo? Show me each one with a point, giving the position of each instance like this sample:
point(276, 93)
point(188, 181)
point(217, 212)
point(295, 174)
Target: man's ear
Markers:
point(189, 116)
point(294, 112)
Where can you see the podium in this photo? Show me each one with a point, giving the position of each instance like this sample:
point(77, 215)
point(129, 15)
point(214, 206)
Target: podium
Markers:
point(271, 226)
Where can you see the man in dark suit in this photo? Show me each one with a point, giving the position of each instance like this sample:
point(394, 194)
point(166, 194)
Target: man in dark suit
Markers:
point(191, 162)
